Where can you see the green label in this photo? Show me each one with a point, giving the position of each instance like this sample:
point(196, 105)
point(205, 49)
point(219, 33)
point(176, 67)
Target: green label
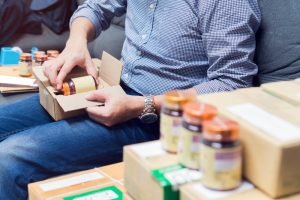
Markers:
point(107, 193)
point(170, 178)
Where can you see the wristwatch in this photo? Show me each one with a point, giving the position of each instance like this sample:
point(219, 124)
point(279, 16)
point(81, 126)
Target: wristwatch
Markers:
point(148, 115)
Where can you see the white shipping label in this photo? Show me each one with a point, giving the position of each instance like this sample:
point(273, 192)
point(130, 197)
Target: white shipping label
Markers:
point(270, 124)
point(106, 195)
point(71, 181)
point(149, 149)
point(215, 195)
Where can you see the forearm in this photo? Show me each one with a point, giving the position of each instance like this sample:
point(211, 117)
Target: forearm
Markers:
point(81, 29)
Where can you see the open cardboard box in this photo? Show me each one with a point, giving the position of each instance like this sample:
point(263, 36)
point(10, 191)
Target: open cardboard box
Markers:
point(63, 107)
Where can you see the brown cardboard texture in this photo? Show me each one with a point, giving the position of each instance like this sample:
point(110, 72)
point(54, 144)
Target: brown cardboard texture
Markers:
point(270, 135)
point(139, 160)
point(127, 197)
point(196, 191)
point(287, 90)
point(62, 107)
point(77, 183)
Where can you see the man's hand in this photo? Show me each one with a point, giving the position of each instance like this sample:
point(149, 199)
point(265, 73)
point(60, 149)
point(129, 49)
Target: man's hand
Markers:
point(75, 54)
point(119, 107)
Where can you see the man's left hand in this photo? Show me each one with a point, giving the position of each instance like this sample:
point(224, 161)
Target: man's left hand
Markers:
point(119, 107)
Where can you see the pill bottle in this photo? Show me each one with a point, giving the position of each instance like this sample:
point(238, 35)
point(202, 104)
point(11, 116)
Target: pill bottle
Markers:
point(25, 65)
point(221, 160)
point(79, 85)
point(52, 54)
point(194, 114)
point(40, 59)
point(170, 119)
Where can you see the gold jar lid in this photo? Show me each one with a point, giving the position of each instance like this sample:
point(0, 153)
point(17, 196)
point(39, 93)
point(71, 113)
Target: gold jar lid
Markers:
point(196, 111)
point(177, 97)
point(221, 129)
point(52, 53)
point(25, 56)
point(41, 57)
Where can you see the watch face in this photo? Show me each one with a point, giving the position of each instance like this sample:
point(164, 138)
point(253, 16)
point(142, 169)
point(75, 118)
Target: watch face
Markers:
point(149, 118)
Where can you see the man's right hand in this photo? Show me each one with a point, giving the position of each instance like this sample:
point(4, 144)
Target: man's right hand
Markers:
point(75, 54)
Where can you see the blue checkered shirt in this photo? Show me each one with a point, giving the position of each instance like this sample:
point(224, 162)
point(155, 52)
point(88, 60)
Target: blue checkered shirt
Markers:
point(179, 44)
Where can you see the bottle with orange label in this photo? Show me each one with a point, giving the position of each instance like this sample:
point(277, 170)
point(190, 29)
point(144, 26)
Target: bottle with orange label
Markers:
point(79, 85)
point(25, 65)
point(170, 119)
point(194, 114)
point(221, 160)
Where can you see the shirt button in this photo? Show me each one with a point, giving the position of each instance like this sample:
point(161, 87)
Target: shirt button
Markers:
point(138, 53)
point(125, 76)
point(152, 6)
point(144, 36)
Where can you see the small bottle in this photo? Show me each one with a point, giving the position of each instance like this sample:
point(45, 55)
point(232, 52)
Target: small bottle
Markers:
point(25, 65)
point(170, 119)
point(40, 59)
point(221, 160)
point(34, 55)
point(194, 114)
point(52, 54)
point(79, 85)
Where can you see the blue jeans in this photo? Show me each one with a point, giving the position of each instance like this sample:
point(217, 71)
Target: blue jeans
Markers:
point(33, 147)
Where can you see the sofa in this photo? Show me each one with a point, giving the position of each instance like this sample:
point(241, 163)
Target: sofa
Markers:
point(110, 40)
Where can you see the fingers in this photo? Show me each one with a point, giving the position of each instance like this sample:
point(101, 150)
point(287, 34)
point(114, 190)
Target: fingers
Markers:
point(51, 69)
point(99, 114)
point(64, 71)
point(91, 69)
point(98, 95)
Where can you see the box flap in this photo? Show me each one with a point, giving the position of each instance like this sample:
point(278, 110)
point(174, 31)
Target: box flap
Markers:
point(75, 102)
point(110, 70)
point(38, 72)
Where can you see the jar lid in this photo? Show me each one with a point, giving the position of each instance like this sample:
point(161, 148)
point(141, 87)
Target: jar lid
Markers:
point(199, 110)
point(66, 89)
point(39, 53)
point(177, 97)
point(52, 53)
point(25, 56)
point(41, 57)
point(221, 129)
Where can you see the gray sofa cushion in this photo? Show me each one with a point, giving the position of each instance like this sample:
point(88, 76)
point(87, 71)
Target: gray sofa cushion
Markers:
point(278, 41)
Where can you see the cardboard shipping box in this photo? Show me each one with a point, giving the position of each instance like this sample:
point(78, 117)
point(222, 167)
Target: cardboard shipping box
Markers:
point(100, 182)
point(270, 135)
point(62, 107)
point(287, 90)
point(139, 160)
point(244, 192)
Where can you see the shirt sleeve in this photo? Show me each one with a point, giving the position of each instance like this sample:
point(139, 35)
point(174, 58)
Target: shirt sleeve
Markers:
point(228, 33)
point(100, 13)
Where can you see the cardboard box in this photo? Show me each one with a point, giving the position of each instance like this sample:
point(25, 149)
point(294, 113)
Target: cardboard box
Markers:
point(85, 183)
point(62, 107)
point(287, 90)
point(270, 135)
point(197, 191)
point(145, 167)
point(126, 196)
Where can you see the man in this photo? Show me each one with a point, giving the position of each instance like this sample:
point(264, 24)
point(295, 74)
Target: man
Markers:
point(197, 46)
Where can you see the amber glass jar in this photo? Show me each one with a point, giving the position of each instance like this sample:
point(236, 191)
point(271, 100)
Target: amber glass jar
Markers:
point(170, 119)
point(25, 65)
point(194, 114)
point(79, 85)
point(52, 54)
point(221, 154)
point(40, 59)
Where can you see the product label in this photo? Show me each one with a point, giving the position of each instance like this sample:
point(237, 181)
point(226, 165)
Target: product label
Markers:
point(170, 130)
point(84, 84)
point(215, 195)
point(270, 124)
point(24, 69)
point(189, 148)
point(54, 185)
point(221, 167)
point(149, 149)
point(108, 193)
point(170, 178)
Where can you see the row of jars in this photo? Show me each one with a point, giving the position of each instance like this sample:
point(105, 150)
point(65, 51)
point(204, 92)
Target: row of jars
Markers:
point(27, 61)
point(203, 140)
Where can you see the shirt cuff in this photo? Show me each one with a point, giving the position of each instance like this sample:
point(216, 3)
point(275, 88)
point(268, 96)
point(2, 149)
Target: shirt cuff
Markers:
point(90, 15)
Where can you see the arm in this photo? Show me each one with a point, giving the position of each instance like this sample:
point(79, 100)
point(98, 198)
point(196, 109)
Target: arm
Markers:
point(228, 32)
point(87, 22)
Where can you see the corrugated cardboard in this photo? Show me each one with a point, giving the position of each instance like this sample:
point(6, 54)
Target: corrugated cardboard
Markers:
point(197, 191)
point(270, 135)
point(287, 90)
point(62, 107)
point(77, 183)
point(126, 196)
point(139, 160)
